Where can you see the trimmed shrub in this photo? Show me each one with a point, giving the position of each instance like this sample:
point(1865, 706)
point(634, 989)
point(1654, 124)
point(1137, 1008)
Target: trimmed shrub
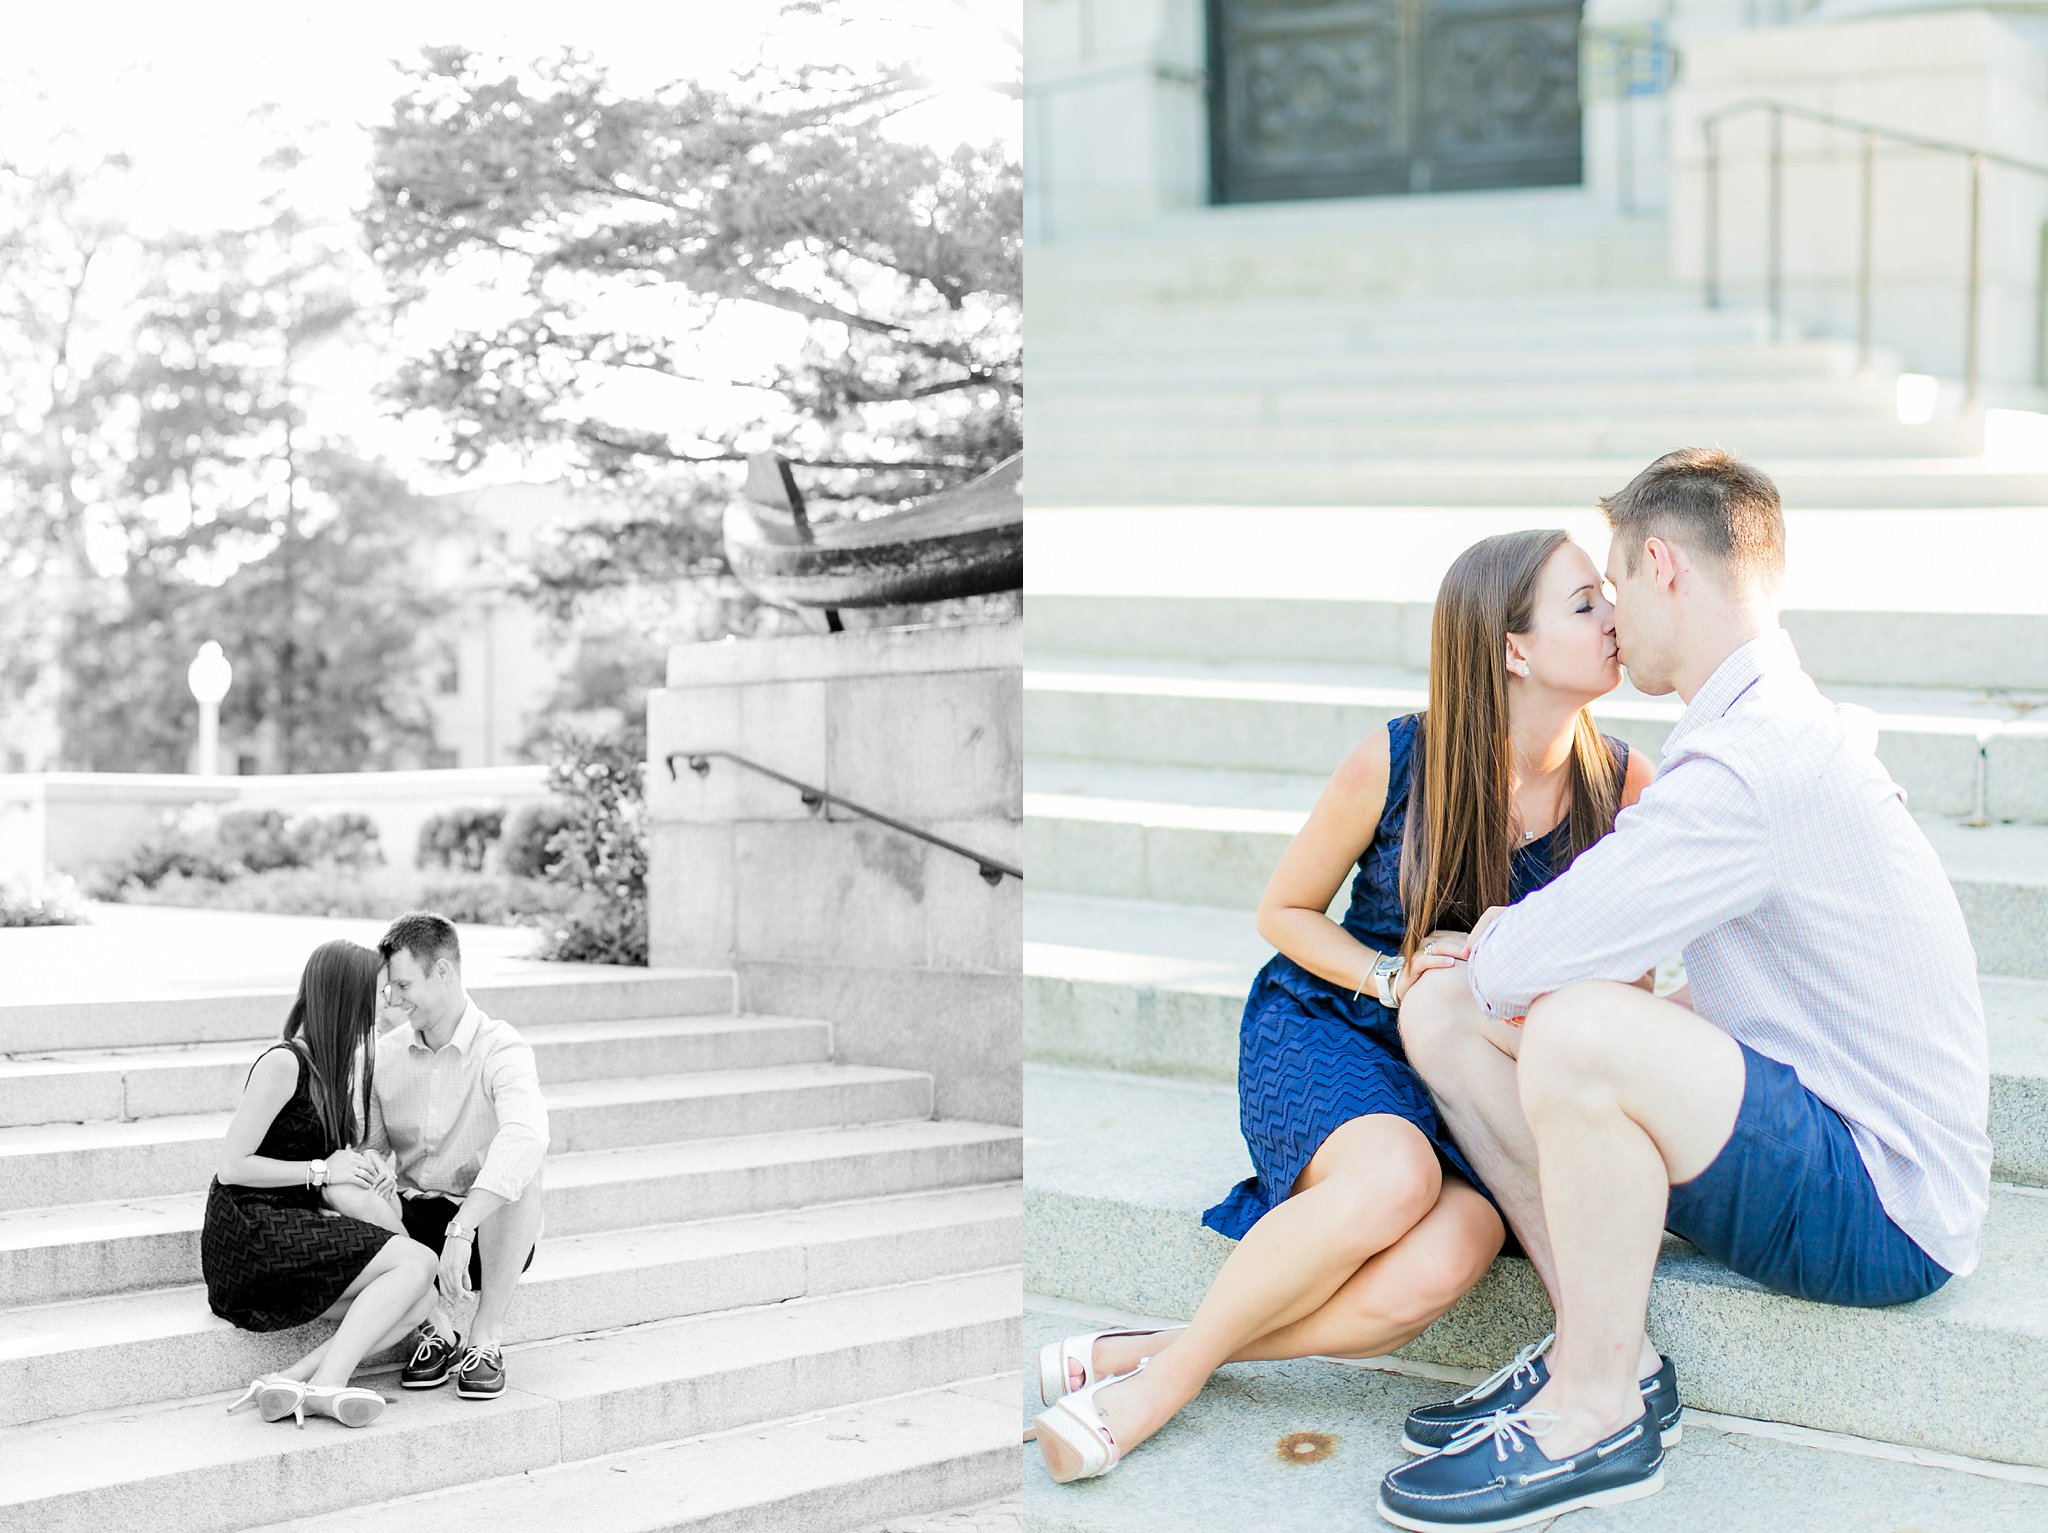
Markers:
point(603, 848)
point(345, 839)
point(459, 838)
point(372, 894)
point(523, 851)
point(53, 902)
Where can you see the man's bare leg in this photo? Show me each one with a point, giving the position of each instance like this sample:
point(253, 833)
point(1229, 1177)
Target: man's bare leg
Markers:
point(1624, 1095)
point(1467, 1061)
point(502, 1242)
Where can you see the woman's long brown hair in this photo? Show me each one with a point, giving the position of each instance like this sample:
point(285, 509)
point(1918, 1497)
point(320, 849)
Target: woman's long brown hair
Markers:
point(335, 1020)
point(1460, 830)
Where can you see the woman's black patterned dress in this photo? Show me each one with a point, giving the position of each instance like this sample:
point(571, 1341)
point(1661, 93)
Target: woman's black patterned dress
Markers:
point(273, 1256)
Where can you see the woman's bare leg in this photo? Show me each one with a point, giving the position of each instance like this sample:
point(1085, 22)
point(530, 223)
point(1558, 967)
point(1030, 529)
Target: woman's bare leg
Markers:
point(1371, 1182)
point(373, 1310)
point(1386, 1304)
point(361, 1203)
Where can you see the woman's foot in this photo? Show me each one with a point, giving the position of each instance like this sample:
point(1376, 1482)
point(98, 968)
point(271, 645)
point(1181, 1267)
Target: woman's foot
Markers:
point(1115, 1353)
point(1137, 1405)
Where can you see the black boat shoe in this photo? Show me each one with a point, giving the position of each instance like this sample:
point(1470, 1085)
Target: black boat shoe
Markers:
point(481, 1374)
point(1430, 1427)
point(1496, 1477)
point(432, 1361)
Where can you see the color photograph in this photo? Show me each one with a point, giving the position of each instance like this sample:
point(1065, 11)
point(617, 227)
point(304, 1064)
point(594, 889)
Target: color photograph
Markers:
point(1534, 787)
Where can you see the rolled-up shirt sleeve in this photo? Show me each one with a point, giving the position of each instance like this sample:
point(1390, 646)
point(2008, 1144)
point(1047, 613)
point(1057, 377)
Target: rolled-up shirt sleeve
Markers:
point(521, 1143)
point(1693, 852)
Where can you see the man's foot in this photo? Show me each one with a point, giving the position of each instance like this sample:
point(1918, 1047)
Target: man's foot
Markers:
point(1497, 1476)
point(432, 1361)
point(1430, 1427)
point(481, 1374)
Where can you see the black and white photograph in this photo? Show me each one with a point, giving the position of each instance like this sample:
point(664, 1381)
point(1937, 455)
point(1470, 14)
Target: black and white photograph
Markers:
point(511, 550)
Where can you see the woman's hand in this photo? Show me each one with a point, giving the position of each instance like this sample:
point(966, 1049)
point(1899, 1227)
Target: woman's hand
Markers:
point(352, 1168)
point(1440, 950)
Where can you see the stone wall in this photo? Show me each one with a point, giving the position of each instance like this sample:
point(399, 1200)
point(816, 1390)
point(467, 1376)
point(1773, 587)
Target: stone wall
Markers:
point(901, 945)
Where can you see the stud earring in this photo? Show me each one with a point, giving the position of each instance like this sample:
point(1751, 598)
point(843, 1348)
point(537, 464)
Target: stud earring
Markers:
point(1520, 667)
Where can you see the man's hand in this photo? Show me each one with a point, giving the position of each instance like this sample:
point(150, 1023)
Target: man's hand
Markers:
point(1479, 928)
point(453, 1279)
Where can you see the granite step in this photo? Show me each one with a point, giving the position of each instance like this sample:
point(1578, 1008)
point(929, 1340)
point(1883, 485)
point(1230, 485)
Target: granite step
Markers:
point(83, 1085)
point(181, 1466)
point(1991, 655)
point(1955, 751)
point(149, 1018)
point(1326, 479)
point(1299, 1447)
point(1120, 1168)
point(1757, 438)
point(164, 1343)
point(1057, 370)
point(1158, 990)
point(1482, 401)
point(1201, 837)
point(52, 1254)
point(882, 1461)
point(47, 1164)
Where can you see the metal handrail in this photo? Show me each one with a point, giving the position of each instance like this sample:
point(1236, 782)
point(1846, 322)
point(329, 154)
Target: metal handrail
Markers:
point(1774, 270)
point(700, 762)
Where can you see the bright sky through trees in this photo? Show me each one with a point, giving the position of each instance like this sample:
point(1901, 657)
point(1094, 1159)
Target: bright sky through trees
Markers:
point(173, 89)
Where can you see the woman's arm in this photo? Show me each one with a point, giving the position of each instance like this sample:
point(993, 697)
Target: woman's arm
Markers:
point(270, 1086)
point(1293, 911)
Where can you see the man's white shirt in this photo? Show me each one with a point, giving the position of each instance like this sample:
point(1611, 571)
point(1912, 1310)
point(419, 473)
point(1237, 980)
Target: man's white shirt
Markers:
point(1817, 924)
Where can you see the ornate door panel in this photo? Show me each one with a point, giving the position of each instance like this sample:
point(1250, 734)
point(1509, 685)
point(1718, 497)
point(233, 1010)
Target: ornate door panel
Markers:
point(1338, 98)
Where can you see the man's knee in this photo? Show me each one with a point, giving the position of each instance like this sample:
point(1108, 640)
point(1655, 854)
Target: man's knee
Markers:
point(1568, 1042)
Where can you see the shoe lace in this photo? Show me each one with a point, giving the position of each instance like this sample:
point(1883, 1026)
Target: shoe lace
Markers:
point(477, 1355)
point(423, 1354)
point(1521, 1370)
point(1506, 1430)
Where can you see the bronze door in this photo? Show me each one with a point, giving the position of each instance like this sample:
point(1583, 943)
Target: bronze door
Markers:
point(1345, 98)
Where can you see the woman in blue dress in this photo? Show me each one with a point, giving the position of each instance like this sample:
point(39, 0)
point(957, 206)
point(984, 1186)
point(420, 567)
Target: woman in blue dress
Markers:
point(1363, 1222)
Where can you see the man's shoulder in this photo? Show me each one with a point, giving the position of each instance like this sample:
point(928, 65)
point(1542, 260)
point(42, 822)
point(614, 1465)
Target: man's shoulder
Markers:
point(496, 1036)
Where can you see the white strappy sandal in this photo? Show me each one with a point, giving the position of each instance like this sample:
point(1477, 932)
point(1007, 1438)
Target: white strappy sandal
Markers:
point(274, 1396)
point(1074, 1438)
point(346, 1403)
point(1057, 1361)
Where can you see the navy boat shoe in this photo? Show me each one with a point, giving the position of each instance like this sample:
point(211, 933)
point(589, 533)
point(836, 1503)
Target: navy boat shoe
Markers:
point(1496, 1476)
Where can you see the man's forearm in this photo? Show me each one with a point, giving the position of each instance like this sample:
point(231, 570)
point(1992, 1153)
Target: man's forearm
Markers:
point(477, 1207)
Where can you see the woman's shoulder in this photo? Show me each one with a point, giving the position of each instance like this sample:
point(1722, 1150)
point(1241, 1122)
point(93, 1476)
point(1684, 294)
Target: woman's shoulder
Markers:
point(1632, 770)
point(282, 1064)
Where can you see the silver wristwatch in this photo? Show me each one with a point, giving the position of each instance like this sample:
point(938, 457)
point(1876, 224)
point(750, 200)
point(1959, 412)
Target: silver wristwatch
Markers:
point(316, 1173)
point(1385, 970)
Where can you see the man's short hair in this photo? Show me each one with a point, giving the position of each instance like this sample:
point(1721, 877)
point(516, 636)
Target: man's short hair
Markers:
point(1709, 502)
point(423, 934)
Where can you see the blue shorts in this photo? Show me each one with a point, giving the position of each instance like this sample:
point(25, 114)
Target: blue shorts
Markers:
point(1788, 1203)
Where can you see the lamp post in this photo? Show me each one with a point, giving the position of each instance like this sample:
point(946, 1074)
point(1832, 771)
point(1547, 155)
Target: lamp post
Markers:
point(208, 677)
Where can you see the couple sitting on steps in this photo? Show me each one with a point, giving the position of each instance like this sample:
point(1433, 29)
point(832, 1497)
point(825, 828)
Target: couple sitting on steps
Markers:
point(1476, 1048)
point(374, 1180)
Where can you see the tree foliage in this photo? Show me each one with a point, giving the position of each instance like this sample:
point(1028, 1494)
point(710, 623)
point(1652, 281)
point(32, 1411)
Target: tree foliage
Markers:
point(632, 228)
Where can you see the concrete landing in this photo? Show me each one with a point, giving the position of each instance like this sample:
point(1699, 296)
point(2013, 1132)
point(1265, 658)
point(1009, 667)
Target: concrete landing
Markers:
point(1227, 1461)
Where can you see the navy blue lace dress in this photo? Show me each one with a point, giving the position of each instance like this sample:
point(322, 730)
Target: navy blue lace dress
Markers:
point(1311, 1057)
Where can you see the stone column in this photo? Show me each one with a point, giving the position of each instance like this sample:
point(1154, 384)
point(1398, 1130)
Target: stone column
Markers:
point(901, 945)
point(1116, 120)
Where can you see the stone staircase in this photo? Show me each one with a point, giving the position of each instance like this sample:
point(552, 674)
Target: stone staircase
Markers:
point(1204, 648)
point(774, 1292)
